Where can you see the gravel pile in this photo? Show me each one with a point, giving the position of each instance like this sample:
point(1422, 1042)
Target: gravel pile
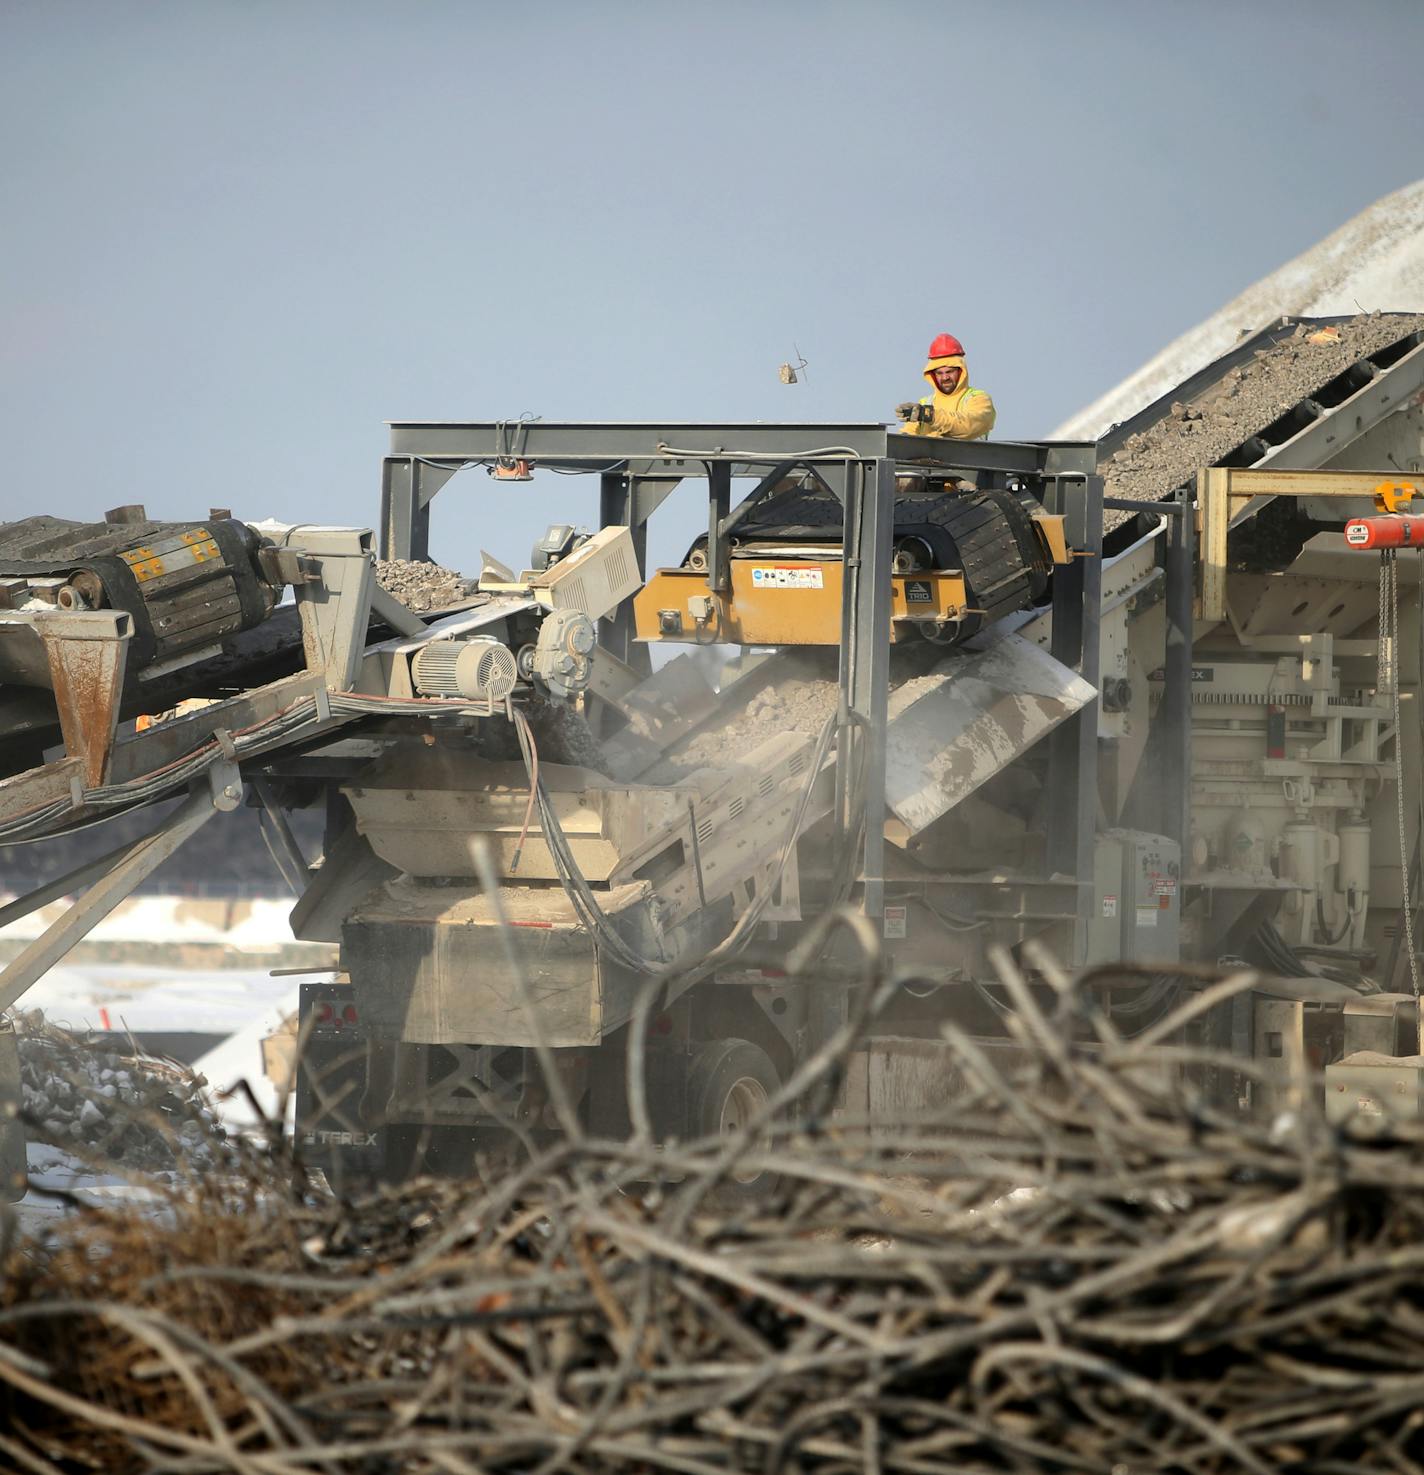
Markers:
point(1199, 432)
point(422, 587)
point(131, 1111)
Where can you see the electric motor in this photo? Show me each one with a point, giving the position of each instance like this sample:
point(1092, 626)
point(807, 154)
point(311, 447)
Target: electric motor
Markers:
point(481, 669)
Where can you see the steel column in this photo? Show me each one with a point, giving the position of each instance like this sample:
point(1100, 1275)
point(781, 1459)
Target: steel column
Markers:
point(865, 661)
point(1175, 718)
point(617, 507)
point(1073, 758)
point(719, 504)
point(403, 529)
point(751, 447)
point(408, 486)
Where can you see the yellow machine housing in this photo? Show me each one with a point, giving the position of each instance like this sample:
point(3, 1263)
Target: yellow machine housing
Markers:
point(783, 601)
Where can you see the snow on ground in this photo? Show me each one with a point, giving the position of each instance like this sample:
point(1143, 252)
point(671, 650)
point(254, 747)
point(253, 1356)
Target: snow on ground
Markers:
point(260, 925)
point(239, 1058)
point(62, 1172)
point(145, 998)
point(1373, 263)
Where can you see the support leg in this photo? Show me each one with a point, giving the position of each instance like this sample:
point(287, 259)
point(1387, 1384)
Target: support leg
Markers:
point(101, 898)
point(865, 661)
point(1073, 766)
point(1176, 712)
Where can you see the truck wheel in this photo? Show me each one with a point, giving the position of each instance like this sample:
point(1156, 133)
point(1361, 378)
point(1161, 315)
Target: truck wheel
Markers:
point(731, 1081)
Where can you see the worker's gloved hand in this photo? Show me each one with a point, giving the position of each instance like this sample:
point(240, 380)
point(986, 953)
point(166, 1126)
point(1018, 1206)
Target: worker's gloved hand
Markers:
point(908, 411)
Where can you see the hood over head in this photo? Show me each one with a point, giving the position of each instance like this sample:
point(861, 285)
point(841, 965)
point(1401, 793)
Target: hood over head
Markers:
point(952, 361)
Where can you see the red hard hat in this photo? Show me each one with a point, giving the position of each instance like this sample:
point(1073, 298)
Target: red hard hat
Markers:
point(946, 346)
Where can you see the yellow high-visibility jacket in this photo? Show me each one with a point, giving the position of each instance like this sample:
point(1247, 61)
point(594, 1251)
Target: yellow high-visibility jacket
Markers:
point(967, 414)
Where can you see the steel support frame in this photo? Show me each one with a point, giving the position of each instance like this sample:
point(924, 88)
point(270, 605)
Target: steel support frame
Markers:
point(639, 463)
point(1073, 756)
point(123, 871)
point(408, 486)
point(869, 500)
point(1175, 714)
point(629, 501)
point(420, 448)
point(719, 505)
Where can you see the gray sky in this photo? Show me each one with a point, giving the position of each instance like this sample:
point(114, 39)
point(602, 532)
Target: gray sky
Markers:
point(239, 235)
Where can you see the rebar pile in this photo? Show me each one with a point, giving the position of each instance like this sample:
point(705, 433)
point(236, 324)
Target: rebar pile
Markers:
point(1082, 1266)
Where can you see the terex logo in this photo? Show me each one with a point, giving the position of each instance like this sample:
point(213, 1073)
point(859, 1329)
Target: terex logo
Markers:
point(339, 1139)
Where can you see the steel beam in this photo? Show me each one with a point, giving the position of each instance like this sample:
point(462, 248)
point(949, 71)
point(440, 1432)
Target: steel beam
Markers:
point(719, 505)
point(154, 749)
point(402, 527)
point(408, 487)
point(593, 445)
point(67, 884)
point(1175, 715)
point(65, 932)
point(1073, 757)
point(865, 662)
point(625, 501)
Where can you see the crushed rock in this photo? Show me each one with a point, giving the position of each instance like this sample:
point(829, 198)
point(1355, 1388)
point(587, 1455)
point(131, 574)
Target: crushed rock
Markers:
point(800, 699)
point(421, 586)
point(1198, 433)
point(801, 696)
point(131, 1111)
point(564, 736)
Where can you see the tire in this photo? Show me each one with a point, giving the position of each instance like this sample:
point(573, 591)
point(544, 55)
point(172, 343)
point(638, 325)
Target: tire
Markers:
point(730, 1081)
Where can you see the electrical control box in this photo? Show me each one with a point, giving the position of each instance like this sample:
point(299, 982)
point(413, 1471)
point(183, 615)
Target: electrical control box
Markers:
point(1136, 898)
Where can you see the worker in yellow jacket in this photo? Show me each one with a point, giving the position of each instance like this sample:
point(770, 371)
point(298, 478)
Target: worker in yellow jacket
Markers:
point(956, 410)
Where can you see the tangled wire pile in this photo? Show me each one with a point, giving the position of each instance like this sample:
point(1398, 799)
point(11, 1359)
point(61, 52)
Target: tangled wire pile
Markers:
point(1083, 1266)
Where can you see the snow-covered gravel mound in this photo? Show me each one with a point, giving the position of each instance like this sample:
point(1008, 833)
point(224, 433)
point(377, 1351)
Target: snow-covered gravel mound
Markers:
point(1373, 263)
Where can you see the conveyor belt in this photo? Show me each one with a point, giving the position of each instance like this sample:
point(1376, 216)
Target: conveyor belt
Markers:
point(988, 536)
point(1304, 434)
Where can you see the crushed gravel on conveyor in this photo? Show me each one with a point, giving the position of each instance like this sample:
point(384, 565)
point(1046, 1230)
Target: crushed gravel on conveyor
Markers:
point(423, 587)
point(1155, 462)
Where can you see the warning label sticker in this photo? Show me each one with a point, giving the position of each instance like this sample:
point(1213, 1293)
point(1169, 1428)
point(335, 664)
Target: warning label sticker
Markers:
point(1109, 906)
point(896, 921)
point(788, 576)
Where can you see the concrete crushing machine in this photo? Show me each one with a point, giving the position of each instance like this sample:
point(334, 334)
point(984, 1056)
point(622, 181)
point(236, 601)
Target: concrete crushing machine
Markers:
point(1132, 703)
